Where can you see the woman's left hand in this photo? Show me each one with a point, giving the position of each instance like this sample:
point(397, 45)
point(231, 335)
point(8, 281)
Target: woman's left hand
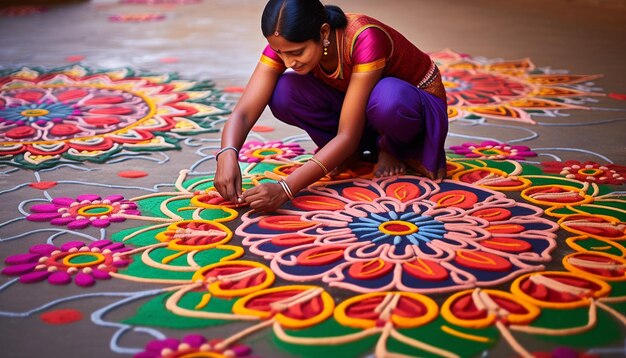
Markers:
point(265, 197)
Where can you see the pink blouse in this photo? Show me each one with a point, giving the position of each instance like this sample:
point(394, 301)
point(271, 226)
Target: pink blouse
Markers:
point(367, 44)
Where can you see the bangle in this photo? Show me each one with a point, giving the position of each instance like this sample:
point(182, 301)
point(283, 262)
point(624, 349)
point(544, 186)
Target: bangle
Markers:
point(316, 161)
point(225, 149)
point(286, 188)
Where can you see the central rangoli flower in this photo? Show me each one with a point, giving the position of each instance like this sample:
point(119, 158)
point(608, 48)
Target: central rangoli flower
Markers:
point(403, 233)
point(385, 227)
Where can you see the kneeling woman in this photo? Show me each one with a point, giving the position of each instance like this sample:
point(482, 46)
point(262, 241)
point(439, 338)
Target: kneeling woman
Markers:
point(356, 85)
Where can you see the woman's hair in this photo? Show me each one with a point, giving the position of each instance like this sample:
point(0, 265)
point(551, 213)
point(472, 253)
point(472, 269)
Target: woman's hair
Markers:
point(300, 20)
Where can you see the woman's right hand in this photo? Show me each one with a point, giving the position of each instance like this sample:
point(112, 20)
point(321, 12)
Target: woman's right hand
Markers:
point(228, 176)
point(253, 101)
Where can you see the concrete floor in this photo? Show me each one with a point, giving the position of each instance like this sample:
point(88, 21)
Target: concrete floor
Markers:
point(220, 40)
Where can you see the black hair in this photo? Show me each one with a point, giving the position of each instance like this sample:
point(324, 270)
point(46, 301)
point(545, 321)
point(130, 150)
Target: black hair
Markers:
point(300, 20)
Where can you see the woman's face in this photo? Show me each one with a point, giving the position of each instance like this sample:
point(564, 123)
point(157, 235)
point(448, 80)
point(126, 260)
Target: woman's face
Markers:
point(302, 57)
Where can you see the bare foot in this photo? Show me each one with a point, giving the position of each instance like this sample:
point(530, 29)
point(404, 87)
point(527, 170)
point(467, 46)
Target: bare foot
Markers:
point(388, 165)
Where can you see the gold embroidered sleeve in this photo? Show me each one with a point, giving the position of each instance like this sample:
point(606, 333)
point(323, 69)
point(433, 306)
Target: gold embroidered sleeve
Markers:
point(272, 63)
point(370, 66)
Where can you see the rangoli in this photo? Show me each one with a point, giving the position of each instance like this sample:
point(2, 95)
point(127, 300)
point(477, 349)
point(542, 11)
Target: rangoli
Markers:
point(75, 114)
point(364, 262)
point(355, 265)
point(507, 90)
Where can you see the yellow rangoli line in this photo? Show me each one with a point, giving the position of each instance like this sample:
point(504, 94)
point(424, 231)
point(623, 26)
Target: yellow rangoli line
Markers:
point(471, 337)
point(601, 248)
point(237, 252)
point(166, 260)
point(206, 298)
point(145, 257)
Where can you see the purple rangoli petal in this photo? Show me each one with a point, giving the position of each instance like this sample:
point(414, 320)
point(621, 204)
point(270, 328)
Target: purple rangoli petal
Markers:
point(34, 276)
point(60, 278)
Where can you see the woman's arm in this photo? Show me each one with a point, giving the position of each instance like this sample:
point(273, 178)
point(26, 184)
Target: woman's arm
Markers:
point(269, 197)
point(247, 111)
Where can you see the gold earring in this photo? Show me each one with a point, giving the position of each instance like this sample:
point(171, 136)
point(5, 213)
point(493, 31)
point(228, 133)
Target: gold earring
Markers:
point(326, 43)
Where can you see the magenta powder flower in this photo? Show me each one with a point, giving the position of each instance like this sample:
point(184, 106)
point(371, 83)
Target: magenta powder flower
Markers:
point(588, 171)
point(85, 210)
point(254, 152)
point(73, 260)
point(493, 150)
point(191, 345)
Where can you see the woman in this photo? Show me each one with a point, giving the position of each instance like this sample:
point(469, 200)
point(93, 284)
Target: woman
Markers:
point(356, 85)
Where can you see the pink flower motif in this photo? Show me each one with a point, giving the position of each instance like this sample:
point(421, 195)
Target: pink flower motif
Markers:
point(403, 233)
point(588, 171)
point(59, 264)
point(85, 210)
point(254, 152)
point(191, 345)
point(493, 150)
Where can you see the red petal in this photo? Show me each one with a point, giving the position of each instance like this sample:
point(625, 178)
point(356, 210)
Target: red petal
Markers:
point(105, 100)
point(316, 202)
point(284, 223)
point(103, 121)
point(72, 95)
point(359, 194)
point(30, 96)
point(403, 191)
point(321, 255)
point(455, 198)
point(132, 174)
point(507, 244)
point(112, 110)
point(292, 240)
point(482, 261)
point(425, 270)
point(64, 130)
point(20, 132)
point(43, 185)
point(370, 270)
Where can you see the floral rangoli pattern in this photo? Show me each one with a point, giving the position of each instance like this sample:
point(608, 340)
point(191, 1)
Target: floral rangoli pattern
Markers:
point(359, 255)
point(354, 265)
point(75, 114)
point(404, 233)
point(506, 90)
